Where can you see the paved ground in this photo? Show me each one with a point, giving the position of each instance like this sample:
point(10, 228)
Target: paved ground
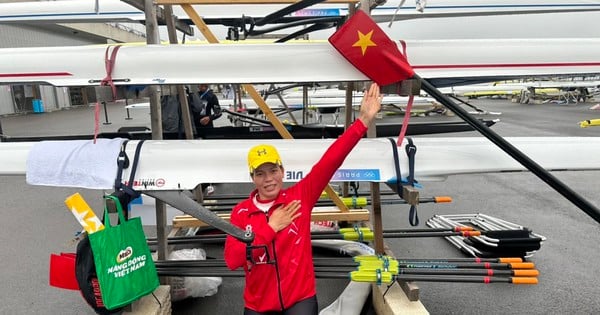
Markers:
point(35, 223)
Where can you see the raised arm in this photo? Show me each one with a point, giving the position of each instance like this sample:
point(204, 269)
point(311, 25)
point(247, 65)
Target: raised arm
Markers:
point(323, 170)
point(370, 105)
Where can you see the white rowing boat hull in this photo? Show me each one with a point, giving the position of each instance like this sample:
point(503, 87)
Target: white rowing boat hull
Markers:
point(286, 63)
point(115, 10)
point(327, 102)
point(182, 164)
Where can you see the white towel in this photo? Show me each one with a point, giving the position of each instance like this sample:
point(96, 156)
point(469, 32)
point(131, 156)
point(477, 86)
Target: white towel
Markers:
point(79, 163)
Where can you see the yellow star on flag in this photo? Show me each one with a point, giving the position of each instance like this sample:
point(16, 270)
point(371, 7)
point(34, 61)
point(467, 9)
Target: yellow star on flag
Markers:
point(364, 41)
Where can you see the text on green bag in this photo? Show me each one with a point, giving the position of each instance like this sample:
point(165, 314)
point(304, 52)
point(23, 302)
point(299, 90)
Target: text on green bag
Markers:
point(130, 265)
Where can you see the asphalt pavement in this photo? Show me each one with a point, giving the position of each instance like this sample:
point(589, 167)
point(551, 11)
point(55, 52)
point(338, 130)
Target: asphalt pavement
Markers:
point(35, 223)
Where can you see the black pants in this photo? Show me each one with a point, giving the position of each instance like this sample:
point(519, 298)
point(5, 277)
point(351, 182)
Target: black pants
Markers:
point(305, 307)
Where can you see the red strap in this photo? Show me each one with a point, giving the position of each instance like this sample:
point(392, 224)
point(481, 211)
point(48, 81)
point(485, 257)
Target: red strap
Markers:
point(408, 105)
point(96, 120)
point(109, 64)
point(405, 120)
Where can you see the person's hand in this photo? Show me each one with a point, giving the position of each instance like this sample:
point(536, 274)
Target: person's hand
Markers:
point(284, 215)
point(205, 120)
point(370, 105)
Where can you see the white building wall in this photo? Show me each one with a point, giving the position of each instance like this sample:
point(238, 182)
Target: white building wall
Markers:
point(48, 98)
point(62, 97)
point(34, 36)
point(6, 100)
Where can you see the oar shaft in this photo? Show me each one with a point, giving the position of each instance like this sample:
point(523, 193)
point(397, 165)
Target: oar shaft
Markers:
point(466, 259)
point(347, 263)
point(511, 150)
point(420, 234)
point(339, 262)
point(345, 275)
point(485, 265)
point(214, 237)
point(472, 272)
point(226, 205)
point(468, 279)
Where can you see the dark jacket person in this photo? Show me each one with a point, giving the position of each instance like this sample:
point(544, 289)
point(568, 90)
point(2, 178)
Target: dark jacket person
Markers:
point(205, 107)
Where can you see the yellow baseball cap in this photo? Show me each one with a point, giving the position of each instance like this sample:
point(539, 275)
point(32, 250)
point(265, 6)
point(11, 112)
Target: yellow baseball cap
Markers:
point(261, 154)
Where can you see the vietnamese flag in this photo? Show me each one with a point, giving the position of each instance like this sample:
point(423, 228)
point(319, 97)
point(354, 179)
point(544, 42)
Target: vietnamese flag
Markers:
point(370, 50)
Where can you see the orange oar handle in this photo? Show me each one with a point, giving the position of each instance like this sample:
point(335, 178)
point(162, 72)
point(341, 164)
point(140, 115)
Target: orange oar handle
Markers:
point(463, 228)
point(526, 273)
point(510, 260)
point(524, 280)
point(442, 199)
point(522, 265)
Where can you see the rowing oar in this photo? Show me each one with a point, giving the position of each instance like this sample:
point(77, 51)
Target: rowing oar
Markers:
point(514, 237)
point(435, 260)
point(362, 275)
point(361, 234)
point(426, 271)
point(342, 262)
point(448, 272)
point(353, 202)
point(199, 238)
point(511, 150)
point(366, 262)
point(388, 65)
point(373, 276)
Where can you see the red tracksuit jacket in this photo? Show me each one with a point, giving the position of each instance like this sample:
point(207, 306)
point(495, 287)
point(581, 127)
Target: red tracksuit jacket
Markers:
point(274, 287)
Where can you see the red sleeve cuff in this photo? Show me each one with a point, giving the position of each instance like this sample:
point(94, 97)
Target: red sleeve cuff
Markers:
point(362, 128)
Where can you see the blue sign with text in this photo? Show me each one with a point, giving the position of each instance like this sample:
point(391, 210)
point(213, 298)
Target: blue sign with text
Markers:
point(356, 175)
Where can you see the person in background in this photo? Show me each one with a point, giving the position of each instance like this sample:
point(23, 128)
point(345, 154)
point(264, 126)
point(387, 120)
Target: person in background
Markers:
point(280, 277)
point(205, 107)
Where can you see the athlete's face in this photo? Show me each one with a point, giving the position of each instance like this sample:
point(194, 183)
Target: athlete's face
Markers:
point(268, 180)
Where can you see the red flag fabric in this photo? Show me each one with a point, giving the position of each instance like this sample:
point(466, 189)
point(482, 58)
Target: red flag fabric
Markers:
point(364, 44)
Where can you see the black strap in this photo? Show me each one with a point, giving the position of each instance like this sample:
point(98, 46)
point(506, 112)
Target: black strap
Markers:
point(129, 187)
point(397, 167)
point(122, 163)
point(411, 151)
point(355, 186)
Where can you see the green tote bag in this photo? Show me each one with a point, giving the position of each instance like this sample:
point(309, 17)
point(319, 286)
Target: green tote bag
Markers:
point(123, 261)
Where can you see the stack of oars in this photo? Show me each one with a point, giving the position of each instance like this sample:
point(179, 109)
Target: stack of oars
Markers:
point(499, 238)
point(383, 269)
point(360, 234)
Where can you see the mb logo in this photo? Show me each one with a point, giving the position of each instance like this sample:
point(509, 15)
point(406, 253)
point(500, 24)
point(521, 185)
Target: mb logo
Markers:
point(261, 152)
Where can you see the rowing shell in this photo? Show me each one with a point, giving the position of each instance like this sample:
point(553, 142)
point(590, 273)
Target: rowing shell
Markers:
point(308, 131)
point(444, 62)
point(115, 10)
point(173, 164)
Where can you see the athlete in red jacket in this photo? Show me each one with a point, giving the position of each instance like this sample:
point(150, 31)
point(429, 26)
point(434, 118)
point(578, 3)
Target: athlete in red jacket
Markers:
point(280, 277)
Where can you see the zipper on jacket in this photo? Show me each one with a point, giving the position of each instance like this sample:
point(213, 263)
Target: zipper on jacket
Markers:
point(277, 273)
